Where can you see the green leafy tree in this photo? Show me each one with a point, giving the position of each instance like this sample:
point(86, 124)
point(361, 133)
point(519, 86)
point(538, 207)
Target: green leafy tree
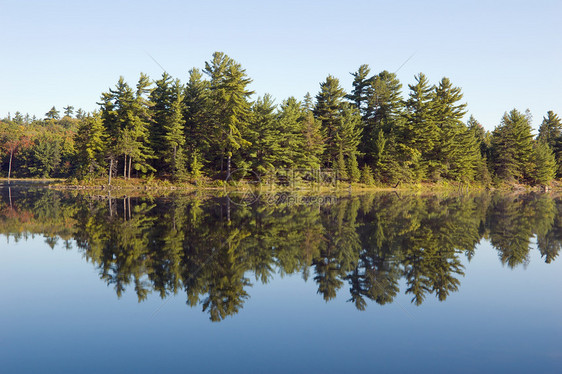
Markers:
point(47, 156)
point(12, 139)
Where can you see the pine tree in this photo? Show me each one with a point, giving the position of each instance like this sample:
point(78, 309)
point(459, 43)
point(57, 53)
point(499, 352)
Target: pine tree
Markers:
point(550, 129)
point(174, 138)
point(52, 114)
point(298, 139)
point(265, 150)
point(126, 117)
point(381, 118)
point(367, 175)
point(457, 154)
point(341, 166)
point(482, 136)
point(328, 111)
point(544, 168)
point(313, 142)
point(91, 144)
point(229, 97)
point(359, 95)
point(512, 147)
point(353, 168)
point(419, 131)
point(68, 110)
point(161, 98)
point(195, 166)
point(197, 115)
point(550, 132)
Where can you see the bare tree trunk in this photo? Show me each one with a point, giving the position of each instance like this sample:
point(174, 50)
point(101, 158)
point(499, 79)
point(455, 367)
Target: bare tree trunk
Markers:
point(10, 167)
point(130, 161)
point(10, 196)
point(125, 168)
point(110, 170)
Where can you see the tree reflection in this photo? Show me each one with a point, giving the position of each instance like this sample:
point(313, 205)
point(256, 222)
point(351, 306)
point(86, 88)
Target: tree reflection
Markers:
point(213, 250)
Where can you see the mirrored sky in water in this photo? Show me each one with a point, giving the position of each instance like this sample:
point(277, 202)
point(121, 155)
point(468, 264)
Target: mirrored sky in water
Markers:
point(57, 315)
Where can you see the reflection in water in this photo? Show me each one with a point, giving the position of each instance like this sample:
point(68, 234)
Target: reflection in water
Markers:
point(211, 249)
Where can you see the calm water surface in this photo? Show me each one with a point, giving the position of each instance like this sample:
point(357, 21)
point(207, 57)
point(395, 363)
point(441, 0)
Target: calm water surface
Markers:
point(374, 283)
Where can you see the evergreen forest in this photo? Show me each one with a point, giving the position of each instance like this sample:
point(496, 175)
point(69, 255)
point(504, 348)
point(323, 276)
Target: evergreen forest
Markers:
point(377, 132)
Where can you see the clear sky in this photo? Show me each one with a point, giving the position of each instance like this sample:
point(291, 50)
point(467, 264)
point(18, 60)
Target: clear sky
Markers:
point(503, 54)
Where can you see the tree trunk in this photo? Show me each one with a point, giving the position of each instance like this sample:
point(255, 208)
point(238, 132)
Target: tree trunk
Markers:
point(130, 161)
point(10, 167)
point(125, 168)
point(228, 166)
point(110, 169)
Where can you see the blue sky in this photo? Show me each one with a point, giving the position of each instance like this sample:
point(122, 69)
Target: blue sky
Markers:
point(503, 54)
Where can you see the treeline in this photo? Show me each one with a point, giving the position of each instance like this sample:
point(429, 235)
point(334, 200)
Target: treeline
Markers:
point(210, 125)
point(372, 246)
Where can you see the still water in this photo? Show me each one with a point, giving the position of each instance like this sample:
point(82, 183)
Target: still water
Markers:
point(280, 283)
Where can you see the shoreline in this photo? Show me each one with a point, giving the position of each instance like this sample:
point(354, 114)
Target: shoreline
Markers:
point(154, 185)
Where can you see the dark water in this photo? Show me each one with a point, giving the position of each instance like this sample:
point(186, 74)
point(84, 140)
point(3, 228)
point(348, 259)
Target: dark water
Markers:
point(372, 283)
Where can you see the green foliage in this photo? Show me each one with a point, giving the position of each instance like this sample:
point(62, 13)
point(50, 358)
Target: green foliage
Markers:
point(230, 108)
point(367, 175)
point(419, 132)
point(126, 118)
point(211, 125)
point(544, 162)
point(374, 245)
point(46, 155)
point(353, 169)
point(341, 167)
point(550, 129)
point(550, 132)
point(52, 114)
point(195, 166)
point(512, 147)
point(341, 124)
point(91, 145)
point(265, 151)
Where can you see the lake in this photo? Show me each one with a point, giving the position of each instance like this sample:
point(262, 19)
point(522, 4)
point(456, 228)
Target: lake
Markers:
point(280, 283)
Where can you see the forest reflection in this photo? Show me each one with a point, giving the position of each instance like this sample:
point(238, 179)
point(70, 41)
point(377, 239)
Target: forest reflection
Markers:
point(212, 249)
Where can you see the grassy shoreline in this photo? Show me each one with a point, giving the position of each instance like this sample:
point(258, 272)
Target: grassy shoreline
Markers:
point(148, 184)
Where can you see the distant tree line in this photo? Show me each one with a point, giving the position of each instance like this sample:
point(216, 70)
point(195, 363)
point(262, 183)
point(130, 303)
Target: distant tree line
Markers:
point(210, 125)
